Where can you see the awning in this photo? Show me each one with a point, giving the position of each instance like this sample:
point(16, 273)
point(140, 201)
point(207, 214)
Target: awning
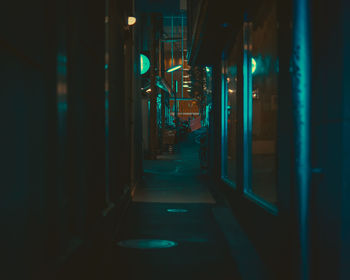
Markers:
point(161, 83)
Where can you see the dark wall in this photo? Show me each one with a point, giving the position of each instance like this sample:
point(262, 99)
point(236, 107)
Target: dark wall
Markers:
point(331, 138)
point(165, 7)
point(65, 163)
point(26, 94)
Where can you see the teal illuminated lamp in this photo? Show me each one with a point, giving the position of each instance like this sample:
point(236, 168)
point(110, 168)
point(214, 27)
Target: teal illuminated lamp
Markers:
point(174, 68)
point(144, 64)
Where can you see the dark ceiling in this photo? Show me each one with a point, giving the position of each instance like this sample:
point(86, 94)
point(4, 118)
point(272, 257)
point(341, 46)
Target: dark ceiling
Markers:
point(164, 7)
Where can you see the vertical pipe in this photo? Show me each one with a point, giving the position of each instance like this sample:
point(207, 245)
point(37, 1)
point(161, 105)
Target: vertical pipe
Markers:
point(301, 110)
point(107, 56)
point(133, 71)
point(182, 53)
point(163, 92)
point(247, 108)
point(223, 110)
point(172, 73)
point(217, 121)
point(161, 74)
point(175, 102)
point(153, 97)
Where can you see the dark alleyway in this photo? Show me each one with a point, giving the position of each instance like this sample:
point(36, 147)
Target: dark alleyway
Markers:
point(175, 139)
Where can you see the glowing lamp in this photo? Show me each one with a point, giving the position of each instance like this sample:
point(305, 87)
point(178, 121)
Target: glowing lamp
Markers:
point(144, 64)
point(253, 65)
point(174, 68)
point(131, 20)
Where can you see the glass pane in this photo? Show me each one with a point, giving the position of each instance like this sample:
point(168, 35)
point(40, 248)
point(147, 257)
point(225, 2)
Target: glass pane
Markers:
point(264, 67)
point(230, 95)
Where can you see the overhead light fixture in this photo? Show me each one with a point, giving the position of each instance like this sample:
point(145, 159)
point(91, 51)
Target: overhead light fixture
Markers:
point(149, 90)
point(174, 68)
point(131, 20)
point(144, 64)
point(207, 69)
point(186, 86)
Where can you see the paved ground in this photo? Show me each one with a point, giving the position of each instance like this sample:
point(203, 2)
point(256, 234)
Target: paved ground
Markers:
point(209, 242)
point(202, 252)
point(175, 178)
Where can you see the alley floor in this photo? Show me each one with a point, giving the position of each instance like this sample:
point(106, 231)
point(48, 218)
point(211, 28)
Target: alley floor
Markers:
point(175, 207)
point(174, 204)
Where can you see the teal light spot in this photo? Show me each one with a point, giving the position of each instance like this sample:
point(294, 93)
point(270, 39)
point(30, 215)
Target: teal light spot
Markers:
point(177, 210)
point(172, 69)
point(147, 244)
point(144, 64)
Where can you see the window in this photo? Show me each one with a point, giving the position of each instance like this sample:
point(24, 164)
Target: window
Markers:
point(263, 91)
point(229, 120)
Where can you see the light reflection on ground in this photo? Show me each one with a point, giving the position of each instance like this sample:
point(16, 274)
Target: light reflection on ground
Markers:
point(146, 244)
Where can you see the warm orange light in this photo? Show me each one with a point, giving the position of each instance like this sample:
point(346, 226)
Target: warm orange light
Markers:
point(131, 20)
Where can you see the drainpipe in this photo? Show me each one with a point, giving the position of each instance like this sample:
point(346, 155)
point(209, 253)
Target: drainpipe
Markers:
point(301, 109)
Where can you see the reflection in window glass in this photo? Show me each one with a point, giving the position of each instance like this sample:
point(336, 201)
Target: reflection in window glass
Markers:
point(230, 102)
point(264, 68)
